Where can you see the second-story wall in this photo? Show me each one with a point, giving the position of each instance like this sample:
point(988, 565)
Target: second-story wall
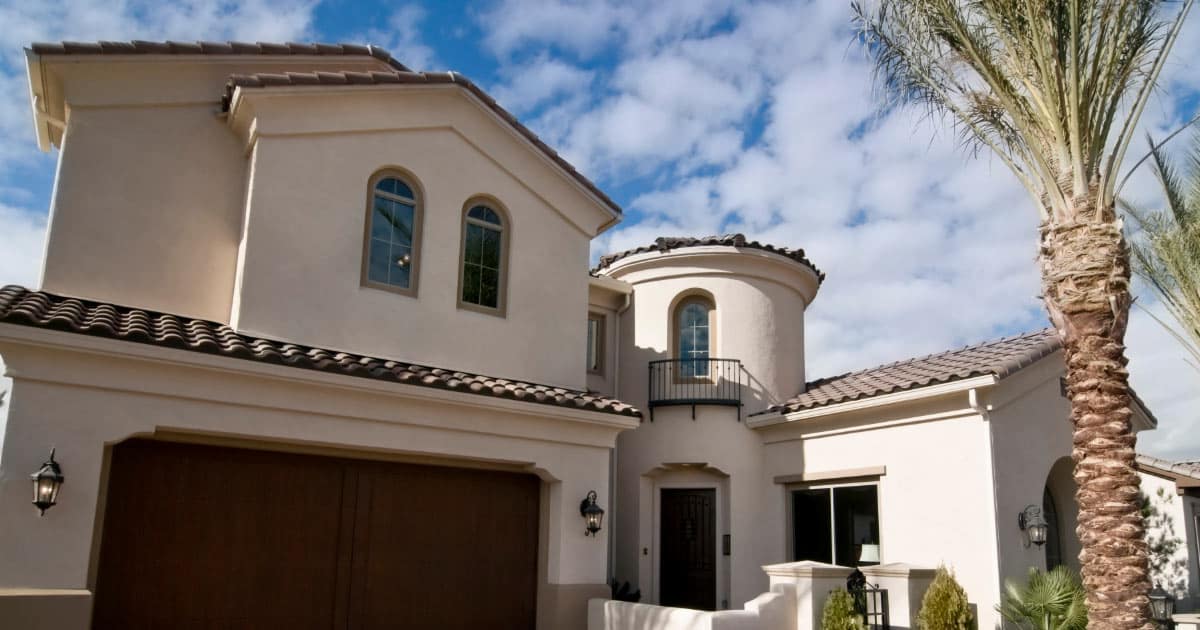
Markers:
point(300, 275)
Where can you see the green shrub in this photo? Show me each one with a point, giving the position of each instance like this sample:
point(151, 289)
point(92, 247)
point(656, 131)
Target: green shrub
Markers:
point(840, 614)
point(945, 605)
point(1047, 601)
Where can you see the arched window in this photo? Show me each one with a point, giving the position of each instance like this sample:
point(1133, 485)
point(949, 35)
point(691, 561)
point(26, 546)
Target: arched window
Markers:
point(482, 274)
point(693, 339)
point(393, 234)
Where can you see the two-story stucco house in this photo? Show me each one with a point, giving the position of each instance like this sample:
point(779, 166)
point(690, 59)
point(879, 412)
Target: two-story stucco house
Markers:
point(310, 349)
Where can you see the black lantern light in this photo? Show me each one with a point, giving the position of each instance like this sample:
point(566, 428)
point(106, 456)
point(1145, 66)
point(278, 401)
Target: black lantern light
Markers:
point(46, 482)
point(1162, 606)
point(1031, 522)
point(592, 514)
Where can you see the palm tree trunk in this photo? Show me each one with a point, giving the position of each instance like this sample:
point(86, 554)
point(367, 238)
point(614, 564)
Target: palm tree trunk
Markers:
point(1085, 279)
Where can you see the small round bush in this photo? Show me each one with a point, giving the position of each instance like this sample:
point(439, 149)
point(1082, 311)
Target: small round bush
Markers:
point(840, 614)
point(945, 605)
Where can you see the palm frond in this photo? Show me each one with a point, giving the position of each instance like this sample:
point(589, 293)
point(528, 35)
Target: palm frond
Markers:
point(1044, 85)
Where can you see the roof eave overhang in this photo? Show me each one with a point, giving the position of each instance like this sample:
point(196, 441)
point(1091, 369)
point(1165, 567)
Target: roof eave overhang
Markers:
point(37, 98)
point(883, 400)
point(608, 215)
point(809, 281)
point(75, 342)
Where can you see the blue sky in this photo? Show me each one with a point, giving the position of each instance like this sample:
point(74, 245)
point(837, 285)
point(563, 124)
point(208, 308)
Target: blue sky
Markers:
point(698, 117)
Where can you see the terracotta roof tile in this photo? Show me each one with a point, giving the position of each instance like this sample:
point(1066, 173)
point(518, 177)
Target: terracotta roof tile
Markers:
point(1187, 469)
point(668, 243)
point(402, 75)
point(1000, 358)
point(140, 47)
point(45, 310)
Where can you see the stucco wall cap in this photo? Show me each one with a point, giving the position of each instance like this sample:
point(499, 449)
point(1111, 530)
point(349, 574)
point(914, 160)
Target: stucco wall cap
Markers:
point(899, 569)
point(807, 568)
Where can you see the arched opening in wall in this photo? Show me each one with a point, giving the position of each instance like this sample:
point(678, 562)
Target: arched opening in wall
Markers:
point(1053, 532)
point(693, 334)
point(1062, 516)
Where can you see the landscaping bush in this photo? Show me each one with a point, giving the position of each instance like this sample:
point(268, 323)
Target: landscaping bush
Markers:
point(1047, 601)
point(840, 614)
point(945, 605)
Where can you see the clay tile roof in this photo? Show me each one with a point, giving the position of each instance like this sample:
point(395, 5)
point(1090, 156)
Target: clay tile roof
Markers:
point(139, 47)
point(1186, 469)
point(23, 307)
point(401, 74)
point(668, 243)
point(1000, 358)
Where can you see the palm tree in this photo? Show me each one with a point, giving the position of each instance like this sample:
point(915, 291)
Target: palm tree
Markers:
point(1167, 256)
point(1049, 600)
point(1055, 88)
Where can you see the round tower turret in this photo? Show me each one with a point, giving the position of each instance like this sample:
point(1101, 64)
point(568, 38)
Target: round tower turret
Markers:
point(713, 331)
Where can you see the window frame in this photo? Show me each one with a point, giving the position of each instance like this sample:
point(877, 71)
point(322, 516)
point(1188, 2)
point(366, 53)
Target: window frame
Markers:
point(493, 204)
point(830, 486)
point(418, 218)
point(599, 318)
point(681, 302)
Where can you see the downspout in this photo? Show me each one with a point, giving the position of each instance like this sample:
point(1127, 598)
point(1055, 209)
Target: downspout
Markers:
point(612, 460)
point(983, 409)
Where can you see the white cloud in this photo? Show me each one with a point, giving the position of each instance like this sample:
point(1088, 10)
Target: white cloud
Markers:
point(926, 248)
point(403, 38)
point(545, 78)
point(22, 246)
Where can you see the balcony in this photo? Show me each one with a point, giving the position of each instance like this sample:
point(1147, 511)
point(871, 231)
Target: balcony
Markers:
point(695, 382)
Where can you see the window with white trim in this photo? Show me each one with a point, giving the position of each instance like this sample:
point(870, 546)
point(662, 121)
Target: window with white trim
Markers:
point(836, 524)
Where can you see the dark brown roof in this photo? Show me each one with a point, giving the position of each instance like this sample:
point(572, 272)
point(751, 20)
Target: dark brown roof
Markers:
point(1000, 358)
point(667, 243)
point(139, 47)
point(402, 75)
point(21, 306)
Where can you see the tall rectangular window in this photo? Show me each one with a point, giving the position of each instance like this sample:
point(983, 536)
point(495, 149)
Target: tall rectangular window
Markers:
point(838, 525)
point(595, 343)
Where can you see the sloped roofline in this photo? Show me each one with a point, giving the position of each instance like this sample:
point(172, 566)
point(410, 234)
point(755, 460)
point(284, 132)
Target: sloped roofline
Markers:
point(39, 309)
point(398, 74)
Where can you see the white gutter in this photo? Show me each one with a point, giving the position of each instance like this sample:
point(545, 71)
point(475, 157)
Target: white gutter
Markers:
point(908, 395)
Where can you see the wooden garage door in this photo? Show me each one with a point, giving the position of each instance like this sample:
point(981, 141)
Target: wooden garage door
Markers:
point(208, 537)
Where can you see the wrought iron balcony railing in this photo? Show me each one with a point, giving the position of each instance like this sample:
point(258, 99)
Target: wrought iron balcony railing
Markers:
point(695, 382)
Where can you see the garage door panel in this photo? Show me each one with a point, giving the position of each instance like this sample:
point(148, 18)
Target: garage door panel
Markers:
point(214, 537)
point(473, 566)
point(205, 537)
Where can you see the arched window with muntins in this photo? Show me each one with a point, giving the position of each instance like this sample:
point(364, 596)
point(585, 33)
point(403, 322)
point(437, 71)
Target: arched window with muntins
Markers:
point(484, 265)
point(392, 249)
point(693, 338)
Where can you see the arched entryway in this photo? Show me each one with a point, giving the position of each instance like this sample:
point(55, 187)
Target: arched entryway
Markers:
point(1061, 514)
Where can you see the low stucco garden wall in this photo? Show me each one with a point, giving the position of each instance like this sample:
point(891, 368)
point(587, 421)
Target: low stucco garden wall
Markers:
point(769, 611)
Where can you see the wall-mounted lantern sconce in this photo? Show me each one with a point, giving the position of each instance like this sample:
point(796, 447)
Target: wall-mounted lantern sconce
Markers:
point(1162, 607)
point(591, 513)
point(1031, 522)
point(46, 482)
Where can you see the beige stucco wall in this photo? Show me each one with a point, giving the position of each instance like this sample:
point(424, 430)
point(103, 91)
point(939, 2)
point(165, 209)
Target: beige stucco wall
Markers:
point(260, 213)
point(302, 253)
point(81, 395)
point(1030, 434)
point(935, 500)
point(760, 300)
point(1176, 521)
point(150, 185)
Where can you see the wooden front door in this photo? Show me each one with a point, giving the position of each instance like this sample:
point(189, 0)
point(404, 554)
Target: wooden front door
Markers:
point(688, 564)
point(207, 537)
